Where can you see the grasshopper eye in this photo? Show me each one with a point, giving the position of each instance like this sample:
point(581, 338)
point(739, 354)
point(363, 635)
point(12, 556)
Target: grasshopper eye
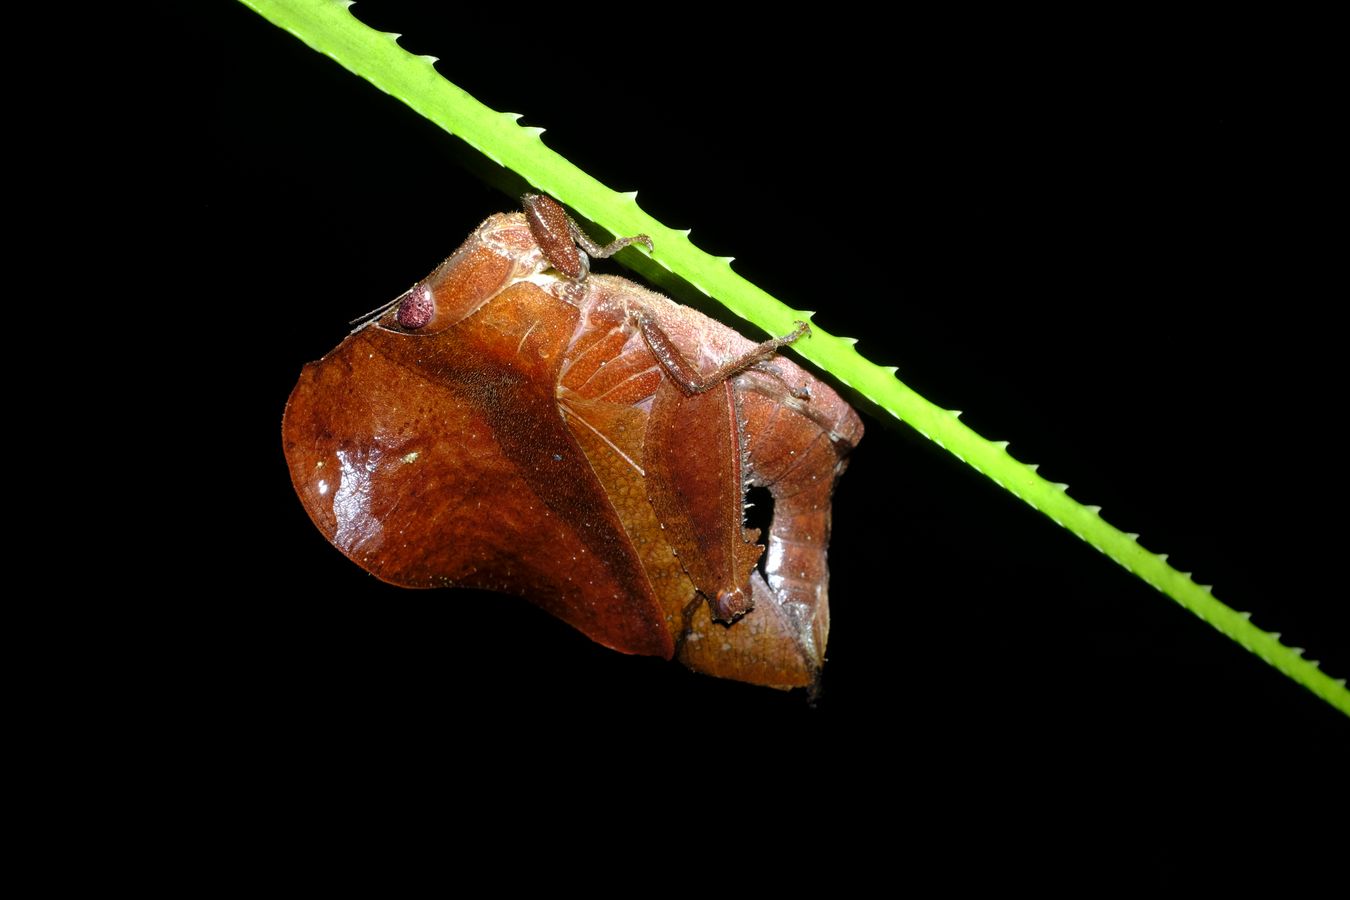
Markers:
point(417, 308)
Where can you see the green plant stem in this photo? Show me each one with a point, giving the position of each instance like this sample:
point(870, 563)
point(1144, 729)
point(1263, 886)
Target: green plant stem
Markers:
point(328, 27)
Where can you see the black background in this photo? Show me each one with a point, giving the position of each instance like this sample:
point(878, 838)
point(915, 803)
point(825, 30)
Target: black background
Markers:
point(1110, 256)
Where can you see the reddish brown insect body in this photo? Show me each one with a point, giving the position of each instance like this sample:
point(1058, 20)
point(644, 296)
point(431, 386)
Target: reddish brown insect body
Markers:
point(516, 425)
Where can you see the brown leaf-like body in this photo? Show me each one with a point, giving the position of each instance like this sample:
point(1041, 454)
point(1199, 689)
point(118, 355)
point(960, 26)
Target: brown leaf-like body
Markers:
point(509, 428)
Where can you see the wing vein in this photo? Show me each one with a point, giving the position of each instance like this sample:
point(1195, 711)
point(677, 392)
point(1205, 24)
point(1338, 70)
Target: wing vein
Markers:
point(624, 456)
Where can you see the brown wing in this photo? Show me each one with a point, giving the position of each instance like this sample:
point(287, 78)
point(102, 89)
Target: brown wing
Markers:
point(605, 392)
point(441, 459)
point(497, 441)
